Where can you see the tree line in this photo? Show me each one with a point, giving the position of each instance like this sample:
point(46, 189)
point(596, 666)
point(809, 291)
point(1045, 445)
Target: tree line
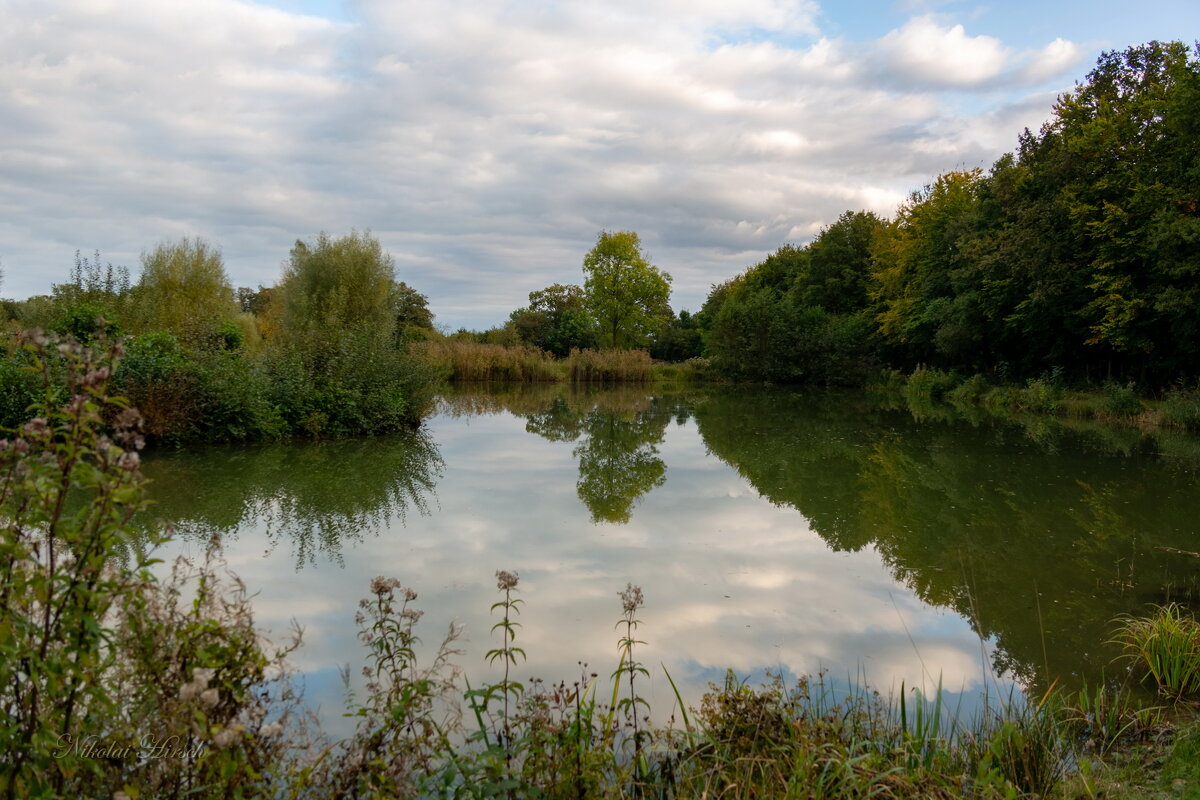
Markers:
point(1077, 255)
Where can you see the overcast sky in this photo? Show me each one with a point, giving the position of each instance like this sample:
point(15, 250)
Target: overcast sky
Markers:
point(487, 142)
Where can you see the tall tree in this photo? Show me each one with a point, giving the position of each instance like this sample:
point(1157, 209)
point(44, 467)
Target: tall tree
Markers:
point(626, 294)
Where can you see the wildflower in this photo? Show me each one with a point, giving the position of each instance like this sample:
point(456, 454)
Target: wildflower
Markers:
point(274, 729)
point(188, 691)
point(631, 598)
point(210, 697)
point(202, 675)
point(36, 426)
point(506, 580)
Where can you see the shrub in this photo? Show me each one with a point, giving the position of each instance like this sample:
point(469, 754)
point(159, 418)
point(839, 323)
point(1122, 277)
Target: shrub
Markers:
point(1165, 648)
point(1120, 400)
point(970, 391)
point(98, 661)
point(927, 384)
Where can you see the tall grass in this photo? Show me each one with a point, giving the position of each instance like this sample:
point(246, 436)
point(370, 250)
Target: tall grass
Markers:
point(1165, 647)
point(629, 366)
point(472, 361)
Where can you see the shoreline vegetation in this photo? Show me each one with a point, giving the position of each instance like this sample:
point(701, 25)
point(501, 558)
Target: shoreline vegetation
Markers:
point(116, 683)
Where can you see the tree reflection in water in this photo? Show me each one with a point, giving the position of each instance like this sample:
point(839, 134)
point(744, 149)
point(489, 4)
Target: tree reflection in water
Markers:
point(318, 496)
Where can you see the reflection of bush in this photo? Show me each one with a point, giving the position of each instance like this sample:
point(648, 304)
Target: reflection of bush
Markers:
point(318, 495)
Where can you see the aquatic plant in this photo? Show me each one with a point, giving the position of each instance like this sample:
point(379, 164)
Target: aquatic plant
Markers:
point(1164, 647)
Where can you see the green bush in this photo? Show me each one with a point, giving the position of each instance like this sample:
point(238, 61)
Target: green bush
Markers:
point(18, 388)
point(970, 391)
point(100, 664)
point(1120, 400)
point(928, 384)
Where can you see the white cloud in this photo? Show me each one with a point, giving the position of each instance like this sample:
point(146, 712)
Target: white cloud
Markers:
point(925, 52)
point(1052, 61)
point(486, 144)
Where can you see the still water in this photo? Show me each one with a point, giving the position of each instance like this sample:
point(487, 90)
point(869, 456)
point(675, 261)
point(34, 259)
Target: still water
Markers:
point(770, 530)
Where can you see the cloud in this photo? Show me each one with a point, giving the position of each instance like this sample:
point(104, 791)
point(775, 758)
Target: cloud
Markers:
point(925, 52)
point(484, 143)
point(1051, 62)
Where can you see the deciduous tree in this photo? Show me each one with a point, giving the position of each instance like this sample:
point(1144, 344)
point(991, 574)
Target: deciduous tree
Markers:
point(626, 294)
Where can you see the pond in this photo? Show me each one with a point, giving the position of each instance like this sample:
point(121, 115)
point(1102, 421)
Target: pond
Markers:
point(770, 531)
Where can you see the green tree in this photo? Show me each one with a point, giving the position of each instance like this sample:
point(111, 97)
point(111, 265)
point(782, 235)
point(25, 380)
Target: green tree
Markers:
point(556, 320)
point(625, 293)
point(337, 364)
point(838, 270)
point(921, 279)
point(184, 290)
point(334, 285)
point(414, 320)
point(1120, 145)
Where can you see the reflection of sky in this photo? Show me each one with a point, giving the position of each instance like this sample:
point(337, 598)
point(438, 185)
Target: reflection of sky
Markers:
point(731, 581)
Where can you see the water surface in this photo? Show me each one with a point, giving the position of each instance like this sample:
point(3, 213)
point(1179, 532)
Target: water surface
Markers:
point(770, 530)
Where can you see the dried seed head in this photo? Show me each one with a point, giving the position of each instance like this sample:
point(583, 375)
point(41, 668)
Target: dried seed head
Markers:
point(631, 598)
point(506, 581)
point(210, 697)
point(202, 675)
point(381, 585)
point(226, 737)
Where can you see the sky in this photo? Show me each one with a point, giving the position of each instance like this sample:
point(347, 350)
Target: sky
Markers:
point(487, 143)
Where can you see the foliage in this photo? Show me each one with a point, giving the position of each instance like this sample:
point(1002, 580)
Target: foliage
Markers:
point(556, 320)
point(626, 295)
point(183, 290)
point(333, 285)
point(1165, 647)
point(106, 683)
point(1076, 252)
point(339, 357)
point(801, 315)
